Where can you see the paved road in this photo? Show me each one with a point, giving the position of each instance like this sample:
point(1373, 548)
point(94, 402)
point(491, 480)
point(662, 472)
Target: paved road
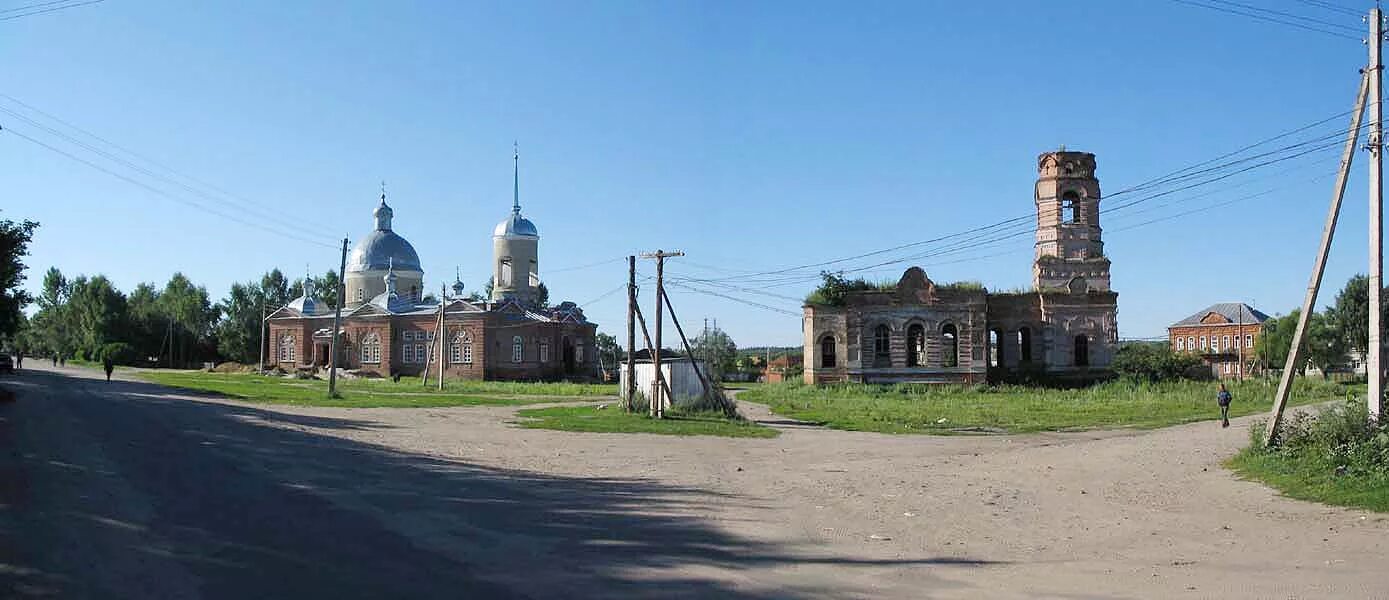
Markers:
point(109, 491)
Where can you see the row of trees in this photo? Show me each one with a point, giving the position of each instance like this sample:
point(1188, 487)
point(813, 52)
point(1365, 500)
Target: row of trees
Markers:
point(173, 325)
point(1332, 335)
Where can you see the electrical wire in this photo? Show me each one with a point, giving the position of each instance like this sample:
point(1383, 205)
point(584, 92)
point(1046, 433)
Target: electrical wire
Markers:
point(1267, 18)
point(45, 10)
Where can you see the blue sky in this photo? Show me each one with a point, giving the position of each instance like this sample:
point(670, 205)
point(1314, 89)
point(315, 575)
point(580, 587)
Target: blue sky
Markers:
point(752, 136)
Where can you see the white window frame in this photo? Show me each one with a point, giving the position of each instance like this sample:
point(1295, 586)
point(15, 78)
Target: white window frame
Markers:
point(1203, 343)
point(287, 348)
point(518, 349)
point(1225, 342)
point(544, 351)
point(371, 348)
point(1181, 344)
point(1190, 343)
point(1248, 340)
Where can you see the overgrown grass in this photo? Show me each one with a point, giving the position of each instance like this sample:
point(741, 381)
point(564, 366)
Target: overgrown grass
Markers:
point(612, 419)
point(365, 393)
point(1337, 457)
point(944, 409)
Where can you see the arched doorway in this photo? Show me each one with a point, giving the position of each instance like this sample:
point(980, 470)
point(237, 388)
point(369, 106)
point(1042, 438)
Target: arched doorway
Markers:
point(1082, 351)
point(949, 346)
point(1025, 344)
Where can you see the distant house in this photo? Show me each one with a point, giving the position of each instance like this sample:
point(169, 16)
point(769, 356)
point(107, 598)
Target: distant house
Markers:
point(1222, 334)
point(782, 368)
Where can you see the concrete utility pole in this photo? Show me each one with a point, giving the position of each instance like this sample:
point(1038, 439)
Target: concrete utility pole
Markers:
point(337, 325)
point(631, 333)
point(1375, 364)
point(260, 366)
point(658, 406)
point(443, 330)
point(1309, 302)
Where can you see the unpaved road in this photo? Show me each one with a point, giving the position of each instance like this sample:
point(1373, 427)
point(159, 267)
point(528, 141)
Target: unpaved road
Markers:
point(126, 489)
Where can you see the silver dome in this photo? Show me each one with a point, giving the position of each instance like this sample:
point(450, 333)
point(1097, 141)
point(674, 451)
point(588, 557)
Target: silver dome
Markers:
point(516, 225)
point(381, 250)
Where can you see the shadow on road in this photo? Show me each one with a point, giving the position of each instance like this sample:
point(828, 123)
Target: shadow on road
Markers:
point(249, 503)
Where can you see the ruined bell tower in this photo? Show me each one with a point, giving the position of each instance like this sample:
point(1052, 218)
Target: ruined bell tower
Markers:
point(1069, 252)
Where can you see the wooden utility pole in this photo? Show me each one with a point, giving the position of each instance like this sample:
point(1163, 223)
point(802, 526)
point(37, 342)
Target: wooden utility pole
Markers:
point(260, 366)
point(631, 333)
point(1375, 364)
point(710, 392)
point(658, 407)
point(337, 325)
point(442, 331)
point(1309, 302)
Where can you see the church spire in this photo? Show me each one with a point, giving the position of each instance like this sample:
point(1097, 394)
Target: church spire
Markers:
point(515, 178)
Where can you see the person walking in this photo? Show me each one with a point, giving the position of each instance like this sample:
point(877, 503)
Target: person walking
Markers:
point(108, 366)
point(1223, 399)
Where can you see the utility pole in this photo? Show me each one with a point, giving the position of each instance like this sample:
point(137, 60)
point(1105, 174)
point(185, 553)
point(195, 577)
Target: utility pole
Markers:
point(1309, 302)
point(631, 333)
point(658, 407)
point(337, 325)
point(1239, 342)
point(260, 366)
point(1375, 399)
point(441, 332)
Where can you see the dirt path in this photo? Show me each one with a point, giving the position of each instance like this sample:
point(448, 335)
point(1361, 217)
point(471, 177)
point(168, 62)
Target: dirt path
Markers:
point(811, 514)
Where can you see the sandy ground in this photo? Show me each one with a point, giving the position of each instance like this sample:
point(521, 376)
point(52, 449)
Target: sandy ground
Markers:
point(811, 514)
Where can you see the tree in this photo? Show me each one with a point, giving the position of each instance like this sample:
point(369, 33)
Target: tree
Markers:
point(14, 246)
point(1272, 346)
point(239, 331)
point(1326, 346)
point(1152, 362)
point(607, 346)
point(98, 313)
point(192, 314)
point(542, 296)
point(1351, 313)
point(276, 289)
point(148, 326)
point(487, 289)
point(834, 288)
point(717, 350)
point(325, 288)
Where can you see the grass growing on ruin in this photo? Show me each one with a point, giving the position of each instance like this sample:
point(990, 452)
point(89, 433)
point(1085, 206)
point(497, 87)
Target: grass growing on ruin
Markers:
point(612, 419)
point(1337, 457)
point(365, 393)
point(945, 409)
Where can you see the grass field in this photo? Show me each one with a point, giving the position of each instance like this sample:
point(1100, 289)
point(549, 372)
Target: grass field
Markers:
point(1307, 476)
point(613, 419)
point(408, 393)
point(942, 409)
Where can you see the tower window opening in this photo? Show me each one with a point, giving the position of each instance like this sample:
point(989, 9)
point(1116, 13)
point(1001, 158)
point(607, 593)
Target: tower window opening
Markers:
point(916, 346)
point(950, 346)
point(1070, 207)
point(505, 272)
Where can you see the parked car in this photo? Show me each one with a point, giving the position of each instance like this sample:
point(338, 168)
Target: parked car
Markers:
point(6, 363)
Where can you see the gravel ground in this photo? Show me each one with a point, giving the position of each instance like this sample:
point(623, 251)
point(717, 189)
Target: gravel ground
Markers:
point(458, 503)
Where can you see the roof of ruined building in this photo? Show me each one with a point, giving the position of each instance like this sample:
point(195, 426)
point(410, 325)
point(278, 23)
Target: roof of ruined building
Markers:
point(1233, 312)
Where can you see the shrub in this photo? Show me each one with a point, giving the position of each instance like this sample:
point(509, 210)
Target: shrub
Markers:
point(119, 353)
point(1153, 362)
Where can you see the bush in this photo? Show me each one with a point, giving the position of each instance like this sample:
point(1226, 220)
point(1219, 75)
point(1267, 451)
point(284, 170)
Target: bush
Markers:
point(1153, 363)
point(119, 353)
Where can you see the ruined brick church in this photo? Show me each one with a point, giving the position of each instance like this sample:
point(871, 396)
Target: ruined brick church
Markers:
point(921, 331)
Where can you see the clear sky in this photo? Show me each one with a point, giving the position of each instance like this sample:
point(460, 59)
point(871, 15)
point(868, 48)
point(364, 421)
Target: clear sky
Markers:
point(752, 136)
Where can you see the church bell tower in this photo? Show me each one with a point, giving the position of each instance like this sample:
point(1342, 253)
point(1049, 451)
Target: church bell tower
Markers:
point(1069, 252)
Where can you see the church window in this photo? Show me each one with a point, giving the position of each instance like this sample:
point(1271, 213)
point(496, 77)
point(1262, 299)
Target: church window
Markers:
point(544, 351)
point(882, 349)
point(579, 352)
point(461, 348)
point(827, 352)
point(371, 348)
point(1082, 351)
point(1191, 344)
point(1203, 343)
point(287, 348)
point(517, 348)
point(950, 346)
point(1070, 207)
point(1025, 344)
point(916, 346)
point(505, 273)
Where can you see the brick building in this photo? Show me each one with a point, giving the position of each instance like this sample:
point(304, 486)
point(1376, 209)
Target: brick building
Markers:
point(923, 331)
point(389, 329)
point(1222, 334)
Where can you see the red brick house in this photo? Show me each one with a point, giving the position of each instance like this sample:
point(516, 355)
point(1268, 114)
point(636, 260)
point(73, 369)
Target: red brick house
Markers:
point(782, 368)
point(1222, 334)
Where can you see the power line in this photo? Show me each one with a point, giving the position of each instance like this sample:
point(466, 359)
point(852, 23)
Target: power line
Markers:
point(1267, 18)
point(165, 193)
point(1286, 14)
point(45, 10)
point(1322, 4)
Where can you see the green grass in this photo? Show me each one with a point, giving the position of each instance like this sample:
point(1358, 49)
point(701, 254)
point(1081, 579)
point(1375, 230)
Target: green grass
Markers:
point(369, 393)
point(1307, 476)
point(591, 419)
point(944, 409)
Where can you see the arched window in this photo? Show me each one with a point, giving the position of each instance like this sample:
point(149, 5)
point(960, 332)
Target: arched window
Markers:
point(916, 346)
point(1070, 207)
point(949, 346)
point(371, 348)
point(1190, 344)
point(827, 359)
point(882, 348)
point(996, 356)
point(1025, 344)
point(517, 349)
point(1082, 356)
point(461, 348)
point(506, 273)
point(287, 348)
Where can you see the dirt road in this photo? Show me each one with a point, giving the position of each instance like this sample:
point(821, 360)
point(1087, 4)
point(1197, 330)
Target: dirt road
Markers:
point(131, 490)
